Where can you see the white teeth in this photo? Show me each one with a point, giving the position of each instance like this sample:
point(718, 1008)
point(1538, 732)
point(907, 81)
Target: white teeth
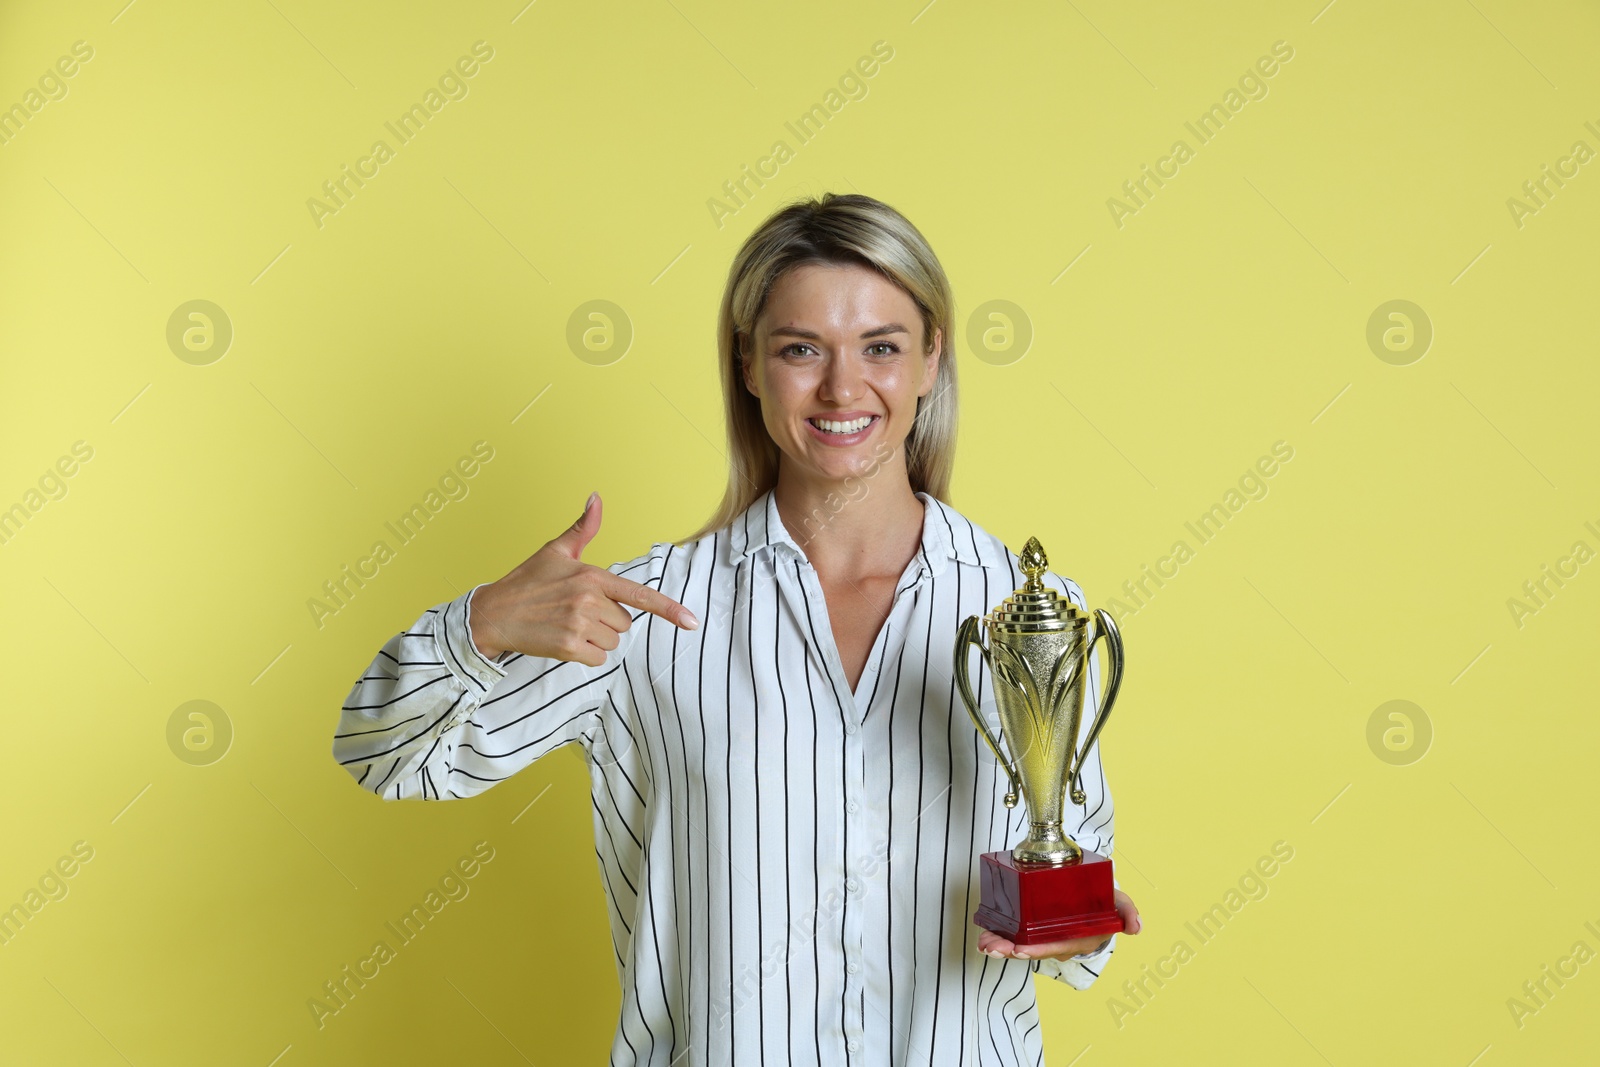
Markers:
point(842, 427)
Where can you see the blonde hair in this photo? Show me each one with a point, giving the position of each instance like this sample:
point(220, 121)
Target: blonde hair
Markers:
point(835, 229)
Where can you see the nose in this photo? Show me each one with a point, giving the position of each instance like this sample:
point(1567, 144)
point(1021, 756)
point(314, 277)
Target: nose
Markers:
point(842, 379)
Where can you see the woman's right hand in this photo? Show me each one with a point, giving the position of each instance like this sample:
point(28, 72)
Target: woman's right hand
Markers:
point(557, 606)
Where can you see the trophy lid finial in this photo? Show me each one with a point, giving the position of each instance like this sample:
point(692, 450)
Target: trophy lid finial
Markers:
point(1033, 564)
point(1035, 608)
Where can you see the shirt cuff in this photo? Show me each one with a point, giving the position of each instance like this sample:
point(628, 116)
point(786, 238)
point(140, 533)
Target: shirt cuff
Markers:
point(1079, 972)
point(453, 634)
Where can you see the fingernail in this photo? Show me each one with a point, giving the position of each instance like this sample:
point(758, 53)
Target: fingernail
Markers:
point(690, 621)
point(590, 502)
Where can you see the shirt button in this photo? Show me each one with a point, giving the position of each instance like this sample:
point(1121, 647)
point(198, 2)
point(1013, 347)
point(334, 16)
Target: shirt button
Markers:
point(849, 727)
point(852, 968)
point(854, 1046)
point(852, 807)
point(851, 885)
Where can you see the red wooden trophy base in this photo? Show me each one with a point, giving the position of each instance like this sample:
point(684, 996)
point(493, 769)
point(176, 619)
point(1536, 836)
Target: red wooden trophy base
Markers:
point(1030, 905)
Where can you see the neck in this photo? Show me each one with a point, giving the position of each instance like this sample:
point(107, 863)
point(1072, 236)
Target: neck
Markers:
point(868, 527)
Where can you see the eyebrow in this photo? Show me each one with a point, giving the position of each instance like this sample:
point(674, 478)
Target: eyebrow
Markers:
point(877, 331)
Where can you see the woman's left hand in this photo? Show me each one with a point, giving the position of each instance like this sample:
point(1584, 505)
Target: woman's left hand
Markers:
point(995, 945)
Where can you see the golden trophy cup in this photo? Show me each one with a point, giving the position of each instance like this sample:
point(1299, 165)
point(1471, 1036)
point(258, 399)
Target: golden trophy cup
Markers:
point(1039, 643)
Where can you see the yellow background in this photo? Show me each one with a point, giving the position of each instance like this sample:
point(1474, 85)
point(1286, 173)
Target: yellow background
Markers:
point(369, 353)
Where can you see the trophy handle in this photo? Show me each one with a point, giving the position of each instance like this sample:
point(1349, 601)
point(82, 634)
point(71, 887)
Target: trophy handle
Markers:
point(1105, 627)
point(969, 634)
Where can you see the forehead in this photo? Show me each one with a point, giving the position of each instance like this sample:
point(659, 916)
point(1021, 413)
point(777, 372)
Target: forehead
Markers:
point(839, 297)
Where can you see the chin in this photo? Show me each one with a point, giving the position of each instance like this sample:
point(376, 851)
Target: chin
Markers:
point(858, 462)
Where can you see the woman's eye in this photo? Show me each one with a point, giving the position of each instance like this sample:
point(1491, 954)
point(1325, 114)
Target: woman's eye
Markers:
point(792, 350)
point(891, 346)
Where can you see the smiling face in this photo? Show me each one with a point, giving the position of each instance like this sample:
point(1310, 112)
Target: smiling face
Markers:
point(839, 345)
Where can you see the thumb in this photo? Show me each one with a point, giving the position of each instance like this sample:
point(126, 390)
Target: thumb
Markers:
point(572, 540)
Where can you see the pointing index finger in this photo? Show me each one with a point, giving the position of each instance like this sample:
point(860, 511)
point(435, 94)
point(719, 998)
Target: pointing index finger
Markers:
point(627, 591)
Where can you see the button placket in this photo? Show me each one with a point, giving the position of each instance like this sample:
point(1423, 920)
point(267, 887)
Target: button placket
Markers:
point(854, 940)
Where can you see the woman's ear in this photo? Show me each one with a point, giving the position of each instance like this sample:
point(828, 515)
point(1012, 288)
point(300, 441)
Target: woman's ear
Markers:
point(740, 353)
point(931, 361)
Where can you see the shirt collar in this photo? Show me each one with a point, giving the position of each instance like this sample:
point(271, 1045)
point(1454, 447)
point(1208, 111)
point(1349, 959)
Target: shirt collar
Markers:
point(946, 534)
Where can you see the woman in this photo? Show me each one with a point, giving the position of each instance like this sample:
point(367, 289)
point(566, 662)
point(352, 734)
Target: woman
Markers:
point(789, 800)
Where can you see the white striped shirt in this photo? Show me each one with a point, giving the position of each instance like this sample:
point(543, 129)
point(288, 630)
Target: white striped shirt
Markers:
point(791, 867)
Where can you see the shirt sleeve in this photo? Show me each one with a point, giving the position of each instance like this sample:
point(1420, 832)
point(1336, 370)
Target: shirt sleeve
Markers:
point(1096, 826)
point(432, 718)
